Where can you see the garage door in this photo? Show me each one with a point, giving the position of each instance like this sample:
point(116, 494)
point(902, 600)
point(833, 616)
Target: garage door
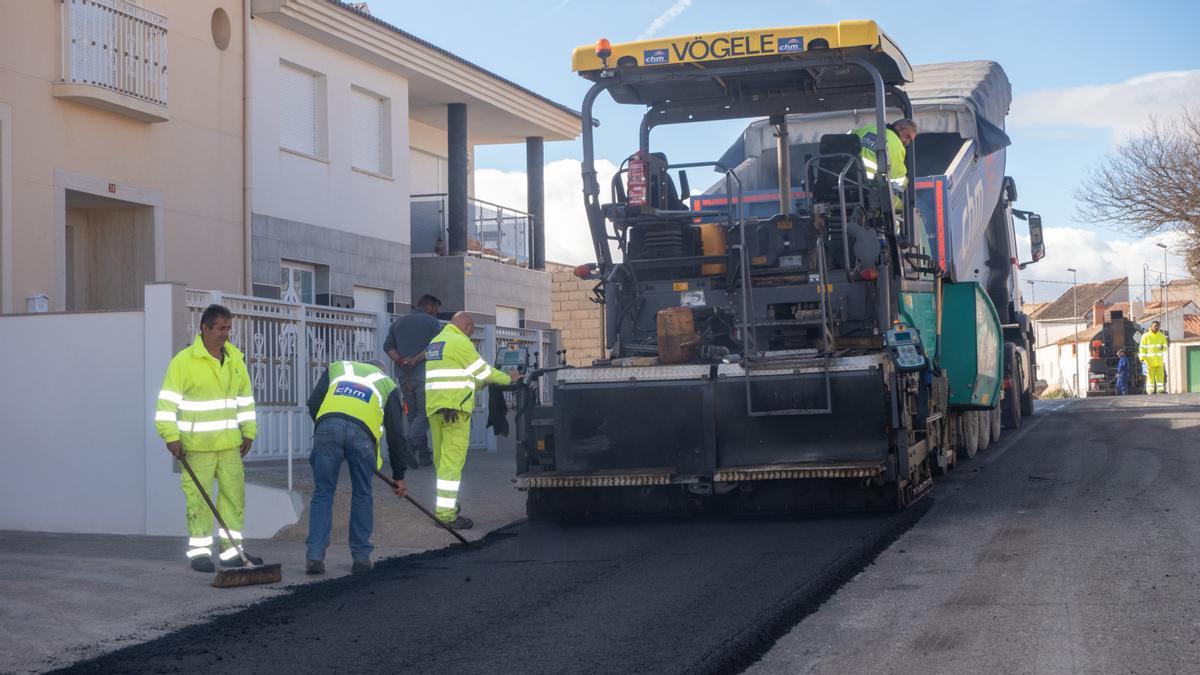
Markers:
point(370, 299)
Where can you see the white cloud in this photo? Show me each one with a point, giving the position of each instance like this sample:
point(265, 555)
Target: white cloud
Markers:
point(665, 18)
point(567, 235)
point(1121, 108)
point(1098, 258)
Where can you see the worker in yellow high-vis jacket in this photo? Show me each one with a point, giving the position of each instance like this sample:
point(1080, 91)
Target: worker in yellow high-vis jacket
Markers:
point(896, 138)
point(1151, 351)
point(206, 412)
point(453, 371)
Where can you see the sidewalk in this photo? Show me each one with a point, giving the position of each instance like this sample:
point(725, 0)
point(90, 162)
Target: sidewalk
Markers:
point(73, 596)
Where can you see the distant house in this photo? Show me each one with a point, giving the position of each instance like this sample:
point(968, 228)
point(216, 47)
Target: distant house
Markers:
point(1073, 309)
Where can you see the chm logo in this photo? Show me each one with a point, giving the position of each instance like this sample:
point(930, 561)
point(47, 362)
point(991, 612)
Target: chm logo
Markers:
point(434, 351)
point(353, 390)
point(790, 45)
point(655, 56)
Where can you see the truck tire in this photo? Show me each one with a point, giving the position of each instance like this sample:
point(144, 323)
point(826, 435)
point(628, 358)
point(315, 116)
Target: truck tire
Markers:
point(984, 425)
point(1027, 400)
point(966, 434)
point(995, 423)
point(1011, 407)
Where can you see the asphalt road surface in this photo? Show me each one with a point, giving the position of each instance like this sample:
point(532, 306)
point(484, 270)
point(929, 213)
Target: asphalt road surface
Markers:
point(1094, 502)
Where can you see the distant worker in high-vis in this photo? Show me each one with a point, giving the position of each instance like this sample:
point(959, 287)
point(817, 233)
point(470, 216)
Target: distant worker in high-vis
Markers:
point(206, 411)
point(453, 371)
point(1152, 349)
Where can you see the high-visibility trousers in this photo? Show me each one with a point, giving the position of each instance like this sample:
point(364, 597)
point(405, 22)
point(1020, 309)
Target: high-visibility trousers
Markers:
point(1156, 379)
point(450, 441)
point(230, 498)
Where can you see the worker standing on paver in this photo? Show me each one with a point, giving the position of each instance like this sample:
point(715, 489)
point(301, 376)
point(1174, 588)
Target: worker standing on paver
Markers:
point(1152, 349)
point(352, 405)
point(206, 410)
point(453, 370)
point(405, 345)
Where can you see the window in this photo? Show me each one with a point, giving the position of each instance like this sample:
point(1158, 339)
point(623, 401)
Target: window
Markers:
point(297, 282)
point(370, 132)
point(301, 110)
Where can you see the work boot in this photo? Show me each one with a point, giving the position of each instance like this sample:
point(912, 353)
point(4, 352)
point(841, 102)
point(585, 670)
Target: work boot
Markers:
point(314, 567)
point(236, 561)
point(362, 567)
point(460, 523)
point(203, 563)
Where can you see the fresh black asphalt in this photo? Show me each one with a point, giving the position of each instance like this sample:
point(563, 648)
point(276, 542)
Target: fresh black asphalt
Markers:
point(697, 595)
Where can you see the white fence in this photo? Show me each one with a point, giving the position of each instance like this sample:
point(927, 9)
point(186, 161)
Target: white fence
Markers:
point(288, 346)
point(116, 45)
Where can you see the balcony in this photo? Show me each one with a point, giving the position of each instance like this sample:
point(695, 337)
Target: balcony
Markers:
point(494, 232)
point(114, 57)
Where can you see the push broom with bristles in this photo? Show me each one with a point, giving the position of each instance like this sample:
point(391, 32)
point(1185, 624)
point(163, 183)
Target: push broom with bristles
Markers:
point(251, 574)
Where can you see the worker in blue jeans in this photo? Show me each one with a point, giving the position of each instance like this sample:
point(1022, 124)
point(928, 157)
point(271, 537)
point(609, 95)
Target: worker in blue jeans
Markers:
point(352, 404)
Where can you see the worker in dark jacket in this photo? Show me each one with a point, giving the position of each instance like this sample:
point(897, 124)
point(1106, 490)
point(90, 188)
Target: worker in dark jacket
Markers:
point(352, 405)
point(1123, 374)
point(405, 345)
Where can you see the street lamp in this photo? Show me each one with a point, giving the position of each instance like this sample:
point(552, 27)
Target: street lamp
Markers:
point(1075, 311)
point(1032, 292)
point(1166, 317)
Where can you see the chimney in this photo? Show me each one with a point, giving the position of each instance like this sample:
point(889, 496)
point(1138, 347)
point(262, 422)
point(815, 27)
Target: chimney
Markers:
point(1098, 314)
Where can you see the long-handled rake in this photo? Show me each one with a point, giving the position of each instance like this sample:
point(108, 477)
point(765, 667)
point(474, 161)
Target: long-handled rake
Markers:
point(424, 510)
point(249, 575)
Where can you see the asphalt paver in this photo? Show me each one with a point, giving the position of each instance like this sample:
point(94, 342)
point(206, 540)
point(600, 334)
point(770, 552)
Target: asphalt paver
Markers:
point(663, 596)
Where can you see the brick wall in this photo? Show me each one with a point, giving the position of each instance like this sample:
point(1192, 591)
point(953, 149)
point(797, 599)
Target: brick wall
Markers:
point(580, 320)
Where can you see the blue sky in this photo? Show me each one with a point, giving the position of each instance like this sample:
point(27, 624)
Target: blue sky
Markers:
point(1067, 60)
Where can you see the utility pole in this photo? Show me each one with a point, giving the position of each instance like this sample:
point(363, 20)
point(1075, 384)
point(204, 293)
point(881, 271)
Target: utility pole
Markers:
point(1166, 318)
point(1075, 312)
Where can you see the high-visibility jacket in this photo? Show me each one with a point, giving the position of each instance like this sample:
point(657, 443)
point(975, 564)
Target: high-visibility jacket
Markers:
point(1153, 348)
point(869, 140)
point(206, 404)
point(453, 370)
point(359, 391)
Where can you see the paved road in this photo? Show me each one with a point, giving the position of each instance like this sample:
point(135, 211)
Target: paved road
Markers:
point(1069, 546)
point(1074, 550)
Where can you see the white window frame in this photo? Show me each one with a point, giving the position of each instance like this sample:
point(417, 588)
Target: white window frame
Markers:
point(320, 149)
point(295, 269)
point(384, 168)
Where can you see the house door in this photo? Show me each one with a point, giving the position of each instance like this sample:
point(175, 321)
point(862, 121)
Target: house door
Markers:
point(109, 252)
point(1193, 368)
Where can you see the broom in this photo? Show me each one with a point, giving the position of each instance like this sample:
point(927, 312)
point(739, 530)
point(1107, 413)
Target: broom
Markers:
point(249, 575)
point(424, 510)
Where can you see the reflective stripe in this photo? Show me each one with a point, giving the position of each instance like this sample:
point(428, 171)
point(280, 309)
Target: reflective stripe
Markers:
point(450, 485)
point(243, 401)
point(481, 376)
point(479, 363)
point(245, 416)
point(164, 416)
point(446, 372)
point(461, 384)
point(219, 425)
point(869, 163)
point(203, 406)
point(200, 541)
point(445, 502)
point(197, 552)
point(229, 553)
point(233, 533)
point(170, 396)
point(375, 377)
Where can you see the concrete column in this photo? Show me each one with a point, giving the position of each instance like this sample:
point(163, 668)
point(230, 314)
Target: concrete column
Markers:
point(534, 171)
point(166, 332)
point(456, 180)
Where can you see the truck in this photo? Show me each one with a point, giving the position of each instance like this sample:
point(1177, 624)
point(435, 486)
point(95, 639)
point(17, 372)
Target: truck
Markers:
point(805, 334)
point(1115, 337)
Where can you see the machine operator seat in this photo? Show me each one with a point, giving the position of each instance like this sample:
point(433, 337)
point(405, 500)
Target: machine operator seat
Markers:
point(824, 182)
point(659, 178)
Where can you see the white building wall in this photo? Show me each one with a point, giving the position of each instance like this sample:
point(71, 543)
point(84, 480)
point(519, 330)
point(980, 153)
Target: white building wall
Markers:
point(326, 191)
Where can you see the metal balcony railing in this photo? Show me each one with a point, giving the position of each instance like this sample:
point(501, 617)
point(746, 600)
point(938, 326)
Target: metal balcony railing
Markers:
point(494, 232)
point(115, 45)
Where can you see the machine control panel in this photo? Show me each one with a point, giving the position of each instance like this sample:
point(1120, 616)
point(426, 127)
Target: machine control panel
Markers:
point(513, 358)
point(905, 349)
